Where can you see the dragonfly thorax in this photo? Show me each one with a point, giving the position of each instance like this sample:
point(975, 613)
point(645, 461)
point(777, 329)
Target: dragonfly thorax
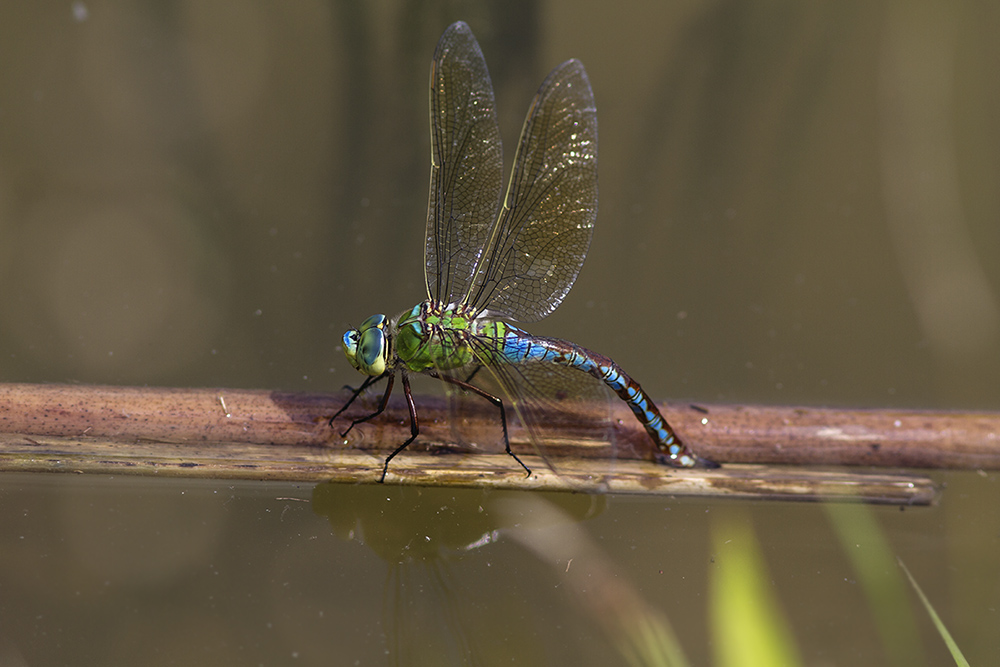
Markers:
point(434, 336)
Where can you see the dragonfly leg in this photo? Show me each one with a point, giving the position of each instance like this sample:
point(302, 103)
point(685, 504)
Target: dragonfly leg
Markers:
point(479, 367)
point(414, 424)
point(356, 392)
point(381, 407)
point(495, 400)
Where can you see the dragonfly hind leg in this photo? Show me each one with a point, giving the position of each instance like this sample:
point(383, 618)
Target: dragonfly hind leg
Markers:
point(495, 400)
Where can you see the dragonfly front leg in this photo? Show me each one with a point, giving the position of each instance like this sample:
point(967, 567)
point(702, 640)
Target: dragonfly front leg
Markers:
point(381, 407)
point(355, 393)
point(495, 400)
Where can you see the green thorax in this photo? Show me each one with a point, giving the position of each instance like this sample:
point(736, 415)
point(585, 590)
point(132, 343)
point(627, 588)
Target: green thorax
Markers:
point(434, 336)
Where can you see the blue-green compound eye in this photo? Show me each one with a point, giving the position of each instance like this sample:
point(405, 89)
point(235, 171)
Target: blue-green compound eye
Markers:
point(365, 347)
point(372, 352)
point(373, 322)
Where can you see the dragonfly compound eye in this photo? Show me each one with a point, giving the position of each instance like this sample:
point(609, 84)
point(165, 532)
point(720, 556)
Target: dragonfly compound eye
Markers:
point(371, 352)
point(373, 322)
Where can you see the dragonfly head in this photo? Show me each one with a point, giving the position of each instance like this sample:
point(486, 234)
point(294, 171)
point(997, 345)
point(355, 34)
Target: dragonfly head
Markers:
point(367, 347)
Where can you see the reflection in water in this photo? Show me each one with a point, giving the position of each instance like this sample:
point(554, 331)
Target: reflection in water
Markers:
point(639, 632)
point(434, 613)
point(419, 533)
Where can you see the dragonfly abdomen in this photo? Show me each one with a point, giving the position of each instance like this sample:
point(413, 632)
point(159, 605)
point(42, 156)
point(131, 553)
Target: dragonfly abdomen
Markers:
point(518, 345)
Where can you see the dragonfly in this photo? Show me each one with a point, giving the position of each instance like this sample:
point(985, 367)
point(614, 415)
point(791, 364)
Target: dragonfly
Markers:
point(494, 257)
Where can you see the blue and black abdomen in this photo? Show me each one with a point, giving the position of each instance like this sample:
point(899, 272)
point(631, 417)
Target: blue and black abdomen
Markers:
point(516, 346)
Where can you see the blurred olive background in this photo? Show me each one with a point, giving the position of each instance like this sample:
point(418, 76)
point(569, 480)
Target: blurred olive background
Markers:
point(799, 205)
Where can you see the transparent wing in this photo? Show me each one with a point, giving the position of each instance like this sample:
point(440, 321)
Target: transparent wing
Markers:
point(466, 165)
point(543, 231)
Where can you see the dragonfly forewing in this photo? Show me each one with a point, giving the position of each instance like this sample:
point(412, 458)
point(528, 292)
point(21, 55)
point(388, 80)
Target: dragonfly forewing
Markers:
point(466, 165)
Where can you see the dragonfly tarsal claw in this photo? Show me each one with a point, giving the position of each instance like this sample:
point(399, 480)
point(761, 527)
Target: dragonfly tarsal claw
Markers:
point(527, 470)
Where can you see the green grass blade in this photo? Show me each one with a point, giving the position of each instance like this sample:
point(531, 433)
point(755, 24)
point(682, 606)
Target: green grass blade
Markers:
point(872, 558)
point(956, 653)
point(748, 625)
